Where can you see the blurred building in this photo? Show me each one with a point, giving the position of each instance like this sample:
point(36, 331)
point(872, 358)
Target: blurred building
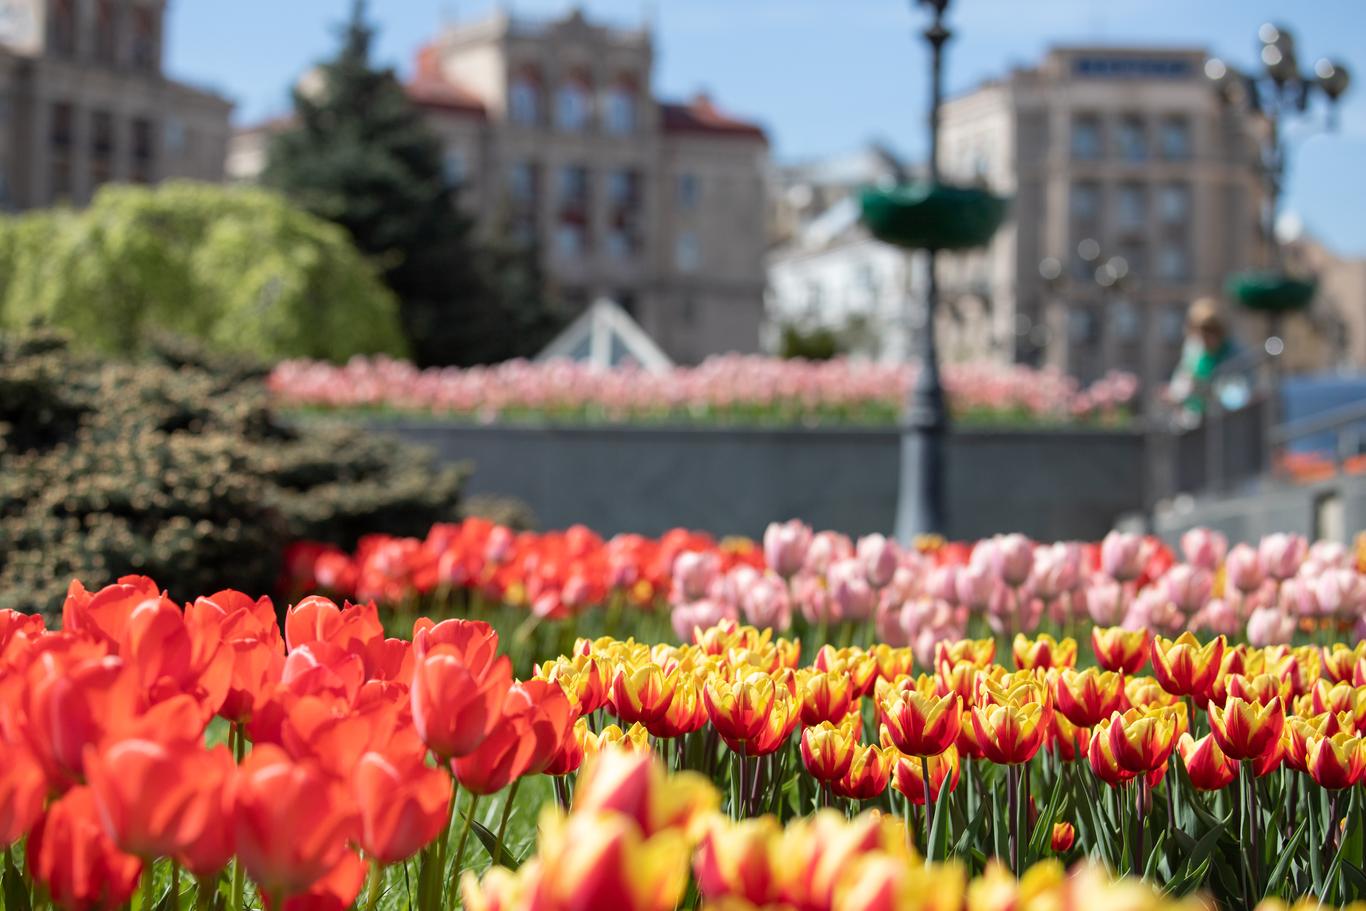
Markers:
point(825, 271)
point(1131, 182)
point(84, 101)
point(1331, 335)
point(553, 131)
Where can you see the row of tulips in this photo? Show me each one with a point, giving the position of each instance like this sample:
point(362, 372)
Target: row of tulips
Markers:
point(729, 389)
point(167, 754)
point(828, 586)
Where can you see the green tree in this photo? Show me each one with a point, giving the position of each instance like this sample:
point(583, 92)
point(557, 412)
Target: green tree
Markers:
point(239, 268)
point(360, 155)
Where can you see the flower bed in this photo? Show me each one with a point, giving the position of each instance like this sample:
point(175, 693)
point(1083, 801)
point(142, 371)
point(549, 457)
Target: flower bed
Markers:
point(359, 767)
point(829, 587)
point(732, 389)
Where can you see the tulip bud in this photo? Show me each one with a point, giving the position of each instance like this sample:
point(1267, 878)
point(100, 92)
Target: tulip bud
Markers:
point(1064, 836)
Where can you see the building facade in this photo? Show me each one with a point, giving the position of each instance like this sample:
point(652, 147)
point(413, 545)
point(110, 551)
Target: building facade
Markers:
point(84, 101)
point(1134, 191)
point(553, 132)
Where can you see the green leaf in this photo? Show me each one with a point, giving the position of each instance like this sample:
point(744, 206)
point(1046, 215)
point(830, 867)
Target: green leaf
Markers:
point(1282, 868)
point(493, 846)
point(15, 889)
point(939, 829)
point(1043, 829)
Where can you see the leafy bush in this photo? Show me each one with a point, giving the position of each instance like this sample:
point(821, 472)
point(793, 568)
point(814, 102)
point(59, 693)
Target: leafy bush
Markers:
point(240, 269)
point(175, 467)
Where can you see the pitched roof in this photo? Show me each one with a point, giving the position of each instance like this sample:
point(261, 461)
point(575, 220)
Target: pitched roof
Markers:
point(700, 115)
point(431, 88)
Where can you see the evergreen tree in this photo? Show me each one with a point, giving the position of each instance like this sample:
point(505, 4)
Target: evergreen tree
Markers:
point(361, 155)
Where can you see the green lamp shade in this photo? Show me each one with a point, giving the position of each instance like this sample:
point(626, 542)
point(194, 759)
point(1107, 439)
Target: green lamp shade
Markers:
point(933, 216)
point(1271, 292)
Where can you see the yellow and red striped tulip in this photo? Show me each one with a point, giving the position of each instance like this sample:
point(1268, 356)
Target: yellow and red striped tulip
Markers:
point(879, 883)
point(824, 697)
point(1011, 733)
point(633, 738)
point(1063, 838)
point(1184, 667)
point(868, 773)
point(977, 652)
point(920, 725)
point(1143, 739)
point(1246, 730)
point(817, 851)
point(1144, 692)
point(1121, 650)
point(1334, 697)
point(892, 662)
point(1101, 757)
point(601, 859)
point(1043, 651)
point(739, 860)
point(827, 751)
point(1209, 769)
point(642, 693)
point(635, 785)
point(861, 667)
point(908, 775)
point(1262, 688)
point(1340, 661)
point(1085, 697)
point(1335, 762)
point(685, 714)
point(739, 708)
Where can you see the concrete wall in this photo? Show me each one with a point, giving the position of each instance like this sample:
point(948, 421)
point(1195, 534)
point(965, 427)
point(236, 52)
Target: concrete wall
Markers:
point(1332, 510)
point(1048, 484)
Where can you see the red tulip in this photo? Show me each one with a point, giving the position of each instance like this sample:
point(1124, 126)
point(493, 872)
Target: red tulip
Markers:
point(404, 804)
point(293, 822)
point(337, 891)
point(22, 791)
point(157, 799)
point(71, 857)
point(456, 705)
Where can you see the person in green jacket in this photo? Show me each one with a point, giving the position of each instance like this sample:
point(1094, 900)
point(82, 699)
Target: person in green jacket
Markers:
point(1207, 347)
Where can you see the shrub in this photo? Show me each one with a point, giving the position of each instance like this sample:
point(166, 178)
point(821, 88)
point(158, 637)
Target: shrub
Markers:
point(240, 269)
point(176, 467)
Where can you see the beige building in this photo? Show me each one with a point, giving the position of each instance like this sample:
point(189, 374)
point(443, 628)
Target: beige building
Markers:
point(1127, 174)
point(1331, 335)
point(84, 101)
point(553, 131)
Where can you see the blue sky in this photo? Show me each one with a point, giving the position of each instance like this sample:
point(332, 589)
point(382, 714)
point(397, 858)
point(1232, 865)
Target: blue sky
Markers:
point(826, 75)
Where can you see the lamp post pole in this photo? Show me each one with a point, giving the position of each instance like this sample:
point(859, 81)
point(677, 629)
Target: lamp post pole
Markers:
point(920, 499)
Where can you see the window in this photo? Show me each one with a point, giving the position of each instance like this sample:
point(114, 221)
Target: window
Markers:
point(689, 192)
point(623, 215)
point(146, 38)
point(1085, 201)
point(453, 167)
point(619, 108)
point(101, 147)
point(1176, 139)
point(106, 36)
point(1125, 320)
point(1082, 327)
point(524, 99)
point(1132, 139)
point(62, 28)
point(571, 241)
point(1173, 325)
point(572, 106)
point(60, 138)
point(574, 188)
point(1132, 211)
point(144, 150)
point(1174, 204)
point(177, 138)
point(688, 253)
point(1086, 138)
point(1173, 263)
point(62, 116)
point(571, 232)
point(522, 184)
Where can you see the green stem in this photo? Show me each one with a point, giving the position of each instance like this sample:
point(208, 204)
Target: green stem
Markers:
point(376, 878)
point(175, 886)
point(925, 780)
point(145, 898)
point(503, 822)
point(465, 834)
point(239, 881)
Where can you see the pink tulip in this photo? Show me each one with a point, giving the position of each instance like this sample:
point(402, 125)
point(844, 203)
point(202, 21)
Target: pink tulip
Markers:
point(1152, 609)
point(1341, 592)
point(942, 583)
point(880, 557)
point(1188, 587)
point(827, 547)
point(1244, 568)
point(1299, 597)
point(1057, 569)
point(1219, 617)
point(1204, 548)
point(1104, 599)
point(1122, 556)
point(693, 574)
point(975, 585)
point(853, 597)
point(698, 615)
point(1281, 554)
point(1012, 558)
point(786, 545)
point(1270, 626)
point(766, 603)
point(812, 598)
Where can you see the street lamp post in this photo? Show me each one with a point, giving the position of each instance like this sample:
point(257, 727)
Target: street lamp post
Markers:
point(930, 217)
point(920, 497)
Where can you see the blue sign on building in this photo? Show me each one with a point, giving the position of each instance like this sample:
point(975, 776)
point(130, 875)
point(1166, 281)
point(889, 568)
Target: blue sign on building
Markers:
point(1132, 68)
